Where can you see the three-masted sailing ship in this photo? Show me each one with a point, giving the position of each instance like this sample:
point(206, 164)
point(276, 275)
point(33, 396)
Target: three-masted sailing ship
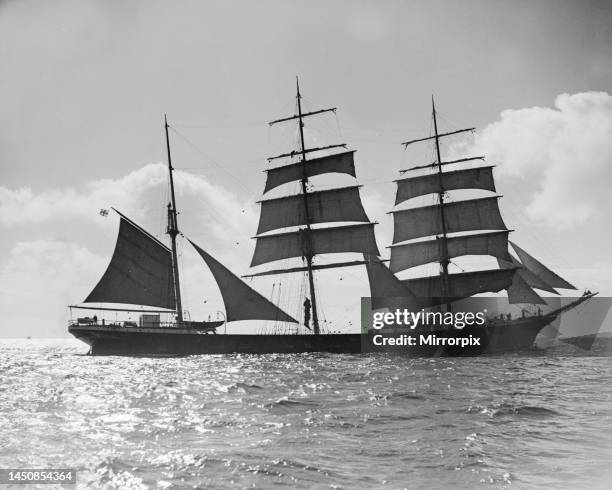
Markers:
point(143, 275)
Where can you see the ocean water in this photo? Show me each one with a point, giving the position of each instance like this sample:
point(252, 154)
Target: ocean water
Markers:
point(307, 421)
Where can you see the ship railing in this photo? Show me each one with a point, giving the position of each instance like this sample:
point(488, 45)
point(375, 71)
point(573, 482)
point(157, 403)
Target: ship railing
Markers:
point(90, 322)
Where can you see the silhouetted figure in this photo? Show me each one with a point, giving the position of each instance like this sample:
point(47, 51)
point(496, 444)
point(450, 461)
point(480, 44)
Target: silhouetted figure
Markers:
point(307, 313)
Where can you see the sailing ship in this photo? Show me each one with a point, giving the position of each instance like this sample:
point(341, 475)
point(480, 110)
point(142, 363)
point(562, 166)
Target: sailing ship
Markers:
point(143, 275)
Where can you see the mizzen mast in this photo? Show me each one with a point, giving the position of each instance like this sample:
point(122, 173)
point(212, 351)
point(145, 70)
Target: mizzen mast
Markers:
point(173, 231)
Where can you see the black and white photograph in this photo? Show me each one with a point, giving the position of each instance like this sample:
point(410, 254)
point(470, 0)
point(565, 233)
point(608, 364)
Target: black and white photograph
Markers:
point(343, 244)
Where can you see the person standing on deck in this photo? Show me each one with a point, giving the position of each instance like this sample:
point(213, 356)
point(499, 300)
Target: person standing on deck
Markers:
point(307, 313)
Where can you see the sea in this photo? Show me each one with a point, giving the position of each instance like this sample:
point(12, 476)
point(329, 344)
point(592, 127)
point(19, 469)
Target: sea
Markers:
point(307, 421)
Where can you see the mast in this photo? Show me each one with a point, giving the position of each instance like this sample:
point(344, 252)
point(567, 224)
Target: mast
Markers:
point(173, 231)
point(444, 259)
point(307, 208)
point(308, 238)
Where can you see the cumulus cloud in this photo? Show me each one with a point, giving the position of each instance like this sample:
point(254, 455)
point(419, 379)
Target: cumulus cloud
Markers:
point(130, 194)
point(565, 150)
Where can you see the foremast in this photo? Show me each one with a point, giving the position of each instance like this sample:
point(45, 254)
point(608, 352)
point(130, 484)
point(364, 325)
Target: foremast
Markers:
point(173, 231)
point(444, 258)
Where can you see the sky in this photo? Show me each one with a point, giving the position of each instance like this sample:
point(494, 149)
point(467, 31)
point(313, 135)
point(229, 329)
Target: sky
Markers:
point(85, 85)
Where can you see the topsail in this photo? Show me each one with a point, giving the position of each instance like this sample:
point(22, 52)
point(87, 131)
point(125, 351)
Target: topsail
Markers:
point(342, 163)
point(470, 178)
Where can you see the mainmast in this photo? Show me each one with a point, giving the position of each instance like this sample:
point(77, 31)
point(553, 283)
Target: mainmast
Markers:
point(307, 236)
point(312, 207)
point(173, 231)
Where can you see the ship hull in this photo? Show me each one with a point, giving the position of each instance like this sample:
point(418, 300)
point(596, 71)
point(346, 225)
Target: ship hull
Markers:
point(511, 336)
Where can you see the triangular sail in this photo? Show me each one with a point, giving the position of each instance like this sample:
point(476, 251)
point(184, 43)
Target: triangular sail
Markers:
point(460, 285)
point(241, 301)
point(541, 270)
point(531, 279)
point(139, 273)
point(386, 290)
point(413, 254)
point(519, 292)
point(471, 178)
point(467, 215)
point(333, 205)
point(338, 163)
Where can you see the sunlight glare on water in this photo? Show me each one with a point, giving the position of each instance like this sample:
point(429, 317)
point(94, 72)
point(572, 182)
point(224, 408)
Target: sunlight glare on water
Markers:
point(322, 420)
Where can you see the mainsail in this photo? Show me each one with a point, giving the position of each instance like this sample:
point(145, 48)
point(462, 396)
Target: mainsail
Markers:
point(139, 273)
point(336, 207)
point(460, 285)
point(241, 301)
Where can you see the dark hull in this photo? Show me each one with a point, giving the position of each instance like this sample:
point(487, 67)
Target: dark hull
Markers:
point(511, 336)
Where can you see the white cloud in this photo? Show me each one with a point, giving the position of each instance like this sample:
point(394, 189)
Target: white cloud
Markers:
point(133, 194)
point(565, 150)
point(39, 279)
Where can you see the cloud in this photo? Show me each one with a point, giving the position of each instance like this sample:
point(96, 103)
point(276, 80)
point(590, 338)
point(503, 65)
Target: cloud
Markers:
point(566, 151)
point(135, 194)
point(39, 279)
